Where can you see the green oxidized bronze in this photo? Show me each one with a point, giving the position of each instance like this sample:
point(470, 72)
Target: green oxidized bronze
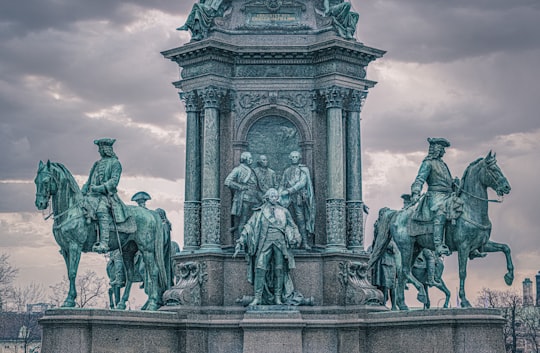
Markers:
point(243, 182)
point(201, 18)
point(78, 216)
point(268, 238)
point(296, 193)
point(344, 19)
point(466, 227)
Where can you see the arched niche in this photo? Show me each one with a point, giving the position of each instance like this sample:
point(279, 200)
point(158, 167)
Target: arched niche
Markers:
point(274, 131)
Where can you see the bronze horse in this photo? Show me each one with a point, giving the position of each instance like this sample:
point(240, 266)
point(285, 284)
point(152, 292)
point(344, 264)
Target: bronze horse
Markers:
point(470, 232)
point(75, 235)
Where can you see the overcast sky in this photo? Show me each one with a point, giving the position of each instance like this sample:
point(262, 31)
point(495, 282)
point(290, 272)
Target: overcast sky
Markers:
point(73, 71)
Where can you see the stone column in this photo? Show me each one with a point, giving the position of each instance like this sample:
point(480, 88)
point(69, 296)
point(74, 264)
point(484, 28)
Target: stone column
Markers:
point(335, 202)
point(192, 198)
point(211, 203)
point(355, 207)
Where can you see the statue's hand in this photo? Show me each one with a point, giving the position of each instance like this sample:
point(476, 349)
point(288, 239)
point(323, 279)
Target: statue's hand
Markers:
point(284, 193)
point(237, 249)
point(99, 189)
point(414, 197)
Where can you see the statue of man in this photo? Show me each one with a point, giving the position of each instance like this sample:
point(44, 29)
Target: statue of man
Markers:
point(343, 18)
point(102, 201)
point(435, 173)
point(265, 175)
point(140, 198)
point(243, 183)
point(268, 237)
point(296, 191)
point(385, 272)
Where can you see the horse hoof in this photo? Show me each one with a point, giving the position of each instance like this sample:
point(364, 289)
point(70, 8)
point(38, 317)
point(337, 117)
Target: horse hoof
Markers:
point(68, 304)
point(465, 304)
point(422, 298)
point(121, 306)
point(508, 279)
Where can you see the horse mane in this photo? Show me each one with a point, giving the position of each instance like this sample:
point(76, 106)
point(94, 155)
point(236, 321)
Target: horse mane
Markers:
point(467, 170)
point(71, 182)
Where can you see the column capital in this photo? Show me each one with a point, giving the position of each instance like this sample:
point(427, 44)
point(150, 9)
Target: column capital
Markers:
point(191, 101)
point(335, 96)
point(212, 96)
point(356, 100)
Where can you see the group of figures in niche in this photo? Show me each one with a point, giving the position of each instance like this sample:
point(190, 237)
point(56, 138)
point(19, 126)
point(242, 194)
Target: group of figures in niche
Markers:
point(271, 215)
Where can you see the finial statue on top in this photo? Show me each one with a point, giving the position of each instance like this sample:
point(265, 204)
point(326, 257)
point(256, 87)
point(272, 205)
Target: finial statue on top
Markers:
point(344, 19)
point(202, 15)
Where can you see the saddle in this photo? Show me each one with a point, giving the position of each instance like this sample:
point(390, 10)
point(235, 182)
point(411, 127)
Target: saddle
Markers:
point(422, 218)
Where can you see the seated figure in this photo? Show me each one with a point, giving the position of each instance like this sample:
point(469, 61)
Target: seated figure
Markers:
point(201, 18)
point(344, 20)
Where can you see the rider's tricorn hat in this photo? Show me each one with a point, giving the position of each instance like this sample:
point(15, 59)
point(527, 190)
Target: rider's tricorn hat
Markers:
point(141, 196)
point(438, 141)
point(104, 142)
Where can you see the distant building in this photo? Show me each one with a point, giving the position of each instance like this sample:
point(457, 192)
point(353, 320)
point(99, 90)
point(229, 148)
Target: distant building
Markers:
point(20, 332)
point(528, 298)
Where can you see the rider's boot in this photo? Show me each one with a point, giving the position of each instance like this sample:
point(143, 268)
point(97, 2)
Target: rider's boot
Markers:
point(430, 268)
point(104, 219)
point(278, 287)
point(438, 236)
point(260, 275)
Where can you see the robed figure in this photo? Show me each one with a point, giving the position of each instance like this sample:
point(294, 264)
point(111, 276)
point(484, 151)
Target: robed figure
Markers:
point(267, 238)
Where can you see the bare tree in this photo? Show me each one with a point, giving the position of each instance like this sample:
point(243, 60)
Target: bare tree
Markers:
point(510, 303)
point(530, 326)
point(91, 290)
point(7, 275)
point(20, 297)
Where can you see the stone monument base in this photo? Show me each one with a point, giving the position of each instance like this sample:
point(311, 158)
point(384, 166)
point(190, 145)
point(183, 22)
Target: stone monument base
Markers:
point(272, 329)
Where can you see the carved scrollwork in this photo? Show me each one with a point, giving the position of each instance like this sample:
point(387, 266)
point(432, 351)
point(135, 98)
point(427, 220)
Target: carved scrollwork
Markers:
point(191, 278)
point(353, 277)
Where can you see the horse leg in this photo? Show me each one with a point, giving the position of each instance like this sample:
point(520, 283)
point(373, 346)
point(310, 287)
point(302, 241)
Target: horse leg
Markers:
point(442, 287)
point(72, 256)
point(492, 246)
point(463, 256)
point(427, 304)
point(127, 266)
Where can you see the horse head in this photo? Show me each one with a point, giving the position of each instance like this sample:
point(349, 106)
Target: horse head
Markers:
point(493, 177)
point(46, 185)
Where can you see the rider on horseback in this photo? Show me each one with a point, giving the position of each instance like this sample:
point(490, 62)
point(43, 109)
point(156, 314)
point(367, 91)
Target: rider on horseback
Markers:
point(101, 194)
point(436, 174)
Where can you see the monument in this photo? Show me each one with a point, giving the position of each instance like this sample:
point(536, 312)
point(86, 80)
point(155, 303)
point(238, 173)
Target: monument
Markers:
point(276, 264)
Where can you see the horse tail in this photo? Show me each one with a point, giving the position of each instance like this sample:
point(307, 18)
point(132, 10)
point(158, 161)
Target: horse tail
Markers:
point(381, 236)
point(159, 246)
